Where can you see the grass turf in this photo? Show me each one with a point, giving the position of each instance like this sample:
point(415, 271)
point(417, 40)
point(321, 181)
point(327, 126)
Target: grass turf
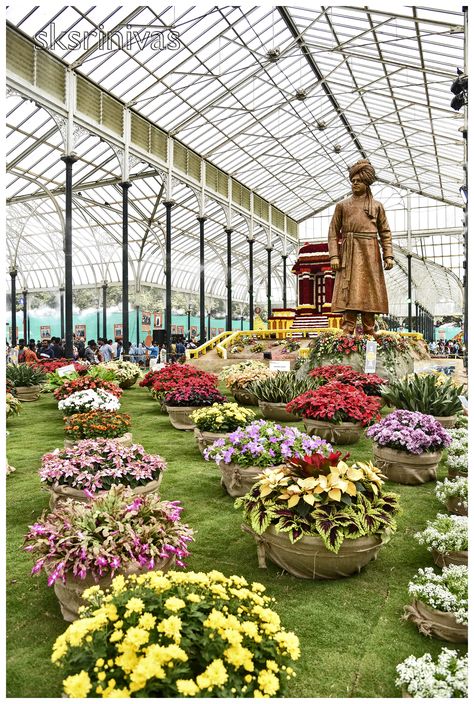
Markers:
point(350, 629)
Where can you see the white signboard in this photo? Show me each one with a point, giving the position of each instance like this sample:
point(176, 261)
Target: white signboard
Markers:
point(281, 366)
point(62, 371)
point(370, 357)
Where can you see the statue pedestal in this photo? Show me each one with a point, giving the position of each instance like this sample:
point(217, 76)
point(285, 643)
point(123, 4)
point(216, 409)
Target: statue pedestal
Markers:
point(389, 366)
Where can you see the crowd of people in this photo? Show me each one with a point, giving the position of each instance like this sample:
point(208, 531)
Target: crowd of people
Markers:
point(446, 348)
point(101, 350)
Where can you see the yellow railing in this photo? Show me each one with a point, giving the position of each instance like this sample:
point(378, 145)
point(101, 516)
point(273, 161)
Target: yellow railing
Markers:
point(209, 345)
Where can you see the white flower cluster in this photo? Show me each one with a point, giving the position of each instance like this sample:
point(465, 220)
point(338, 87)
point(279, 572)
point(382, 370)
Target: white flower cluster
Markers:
point(89, 400)
point(446, 591)
point(445, 533)
point(457, 457)
point(451, 488)
point(425, 678)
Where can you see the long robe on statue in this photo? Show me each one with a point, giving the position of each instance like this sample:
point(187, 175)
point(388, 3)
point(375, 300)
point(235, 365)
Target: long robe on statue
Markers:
point(356, 239)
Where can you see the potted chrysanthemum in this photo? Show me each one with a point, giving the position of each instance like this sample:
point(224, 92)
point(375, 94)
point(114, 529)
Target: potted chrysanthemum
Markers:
point(453, 494)
point(408, 446)
point(337, 412)
point(79, 545)
point(263, 443)
point(218, 421)
point(184, 400)
point(126, 373)
point(439, 606)
point(442, 678)
point(457, 460)
point(446, 537)
point(97, 424)
point(95, 466)
point(89, 400)
point(319, 517)
point(198, 635)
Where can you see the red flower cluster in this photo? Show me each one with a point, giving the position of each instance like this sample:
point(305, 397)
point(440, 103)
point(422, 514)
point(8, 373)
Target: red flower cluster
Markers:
point(370, 384)
point(85, 382)
point(347, 344)
point(50, 365)
point(314, 465)
point(175, 375)
point(336, 402)
point(194, 395)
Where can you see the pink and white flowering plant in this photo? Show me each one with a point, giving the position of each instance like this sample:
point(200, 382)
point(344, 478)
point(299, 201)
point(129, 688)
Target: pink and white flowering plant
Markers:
point(97, 465)
point(114, 532)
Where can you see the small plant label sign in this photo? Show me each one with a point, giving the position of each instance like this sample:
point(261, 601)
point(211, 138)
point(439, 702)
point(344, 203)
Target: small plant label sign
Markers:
point(370, 357)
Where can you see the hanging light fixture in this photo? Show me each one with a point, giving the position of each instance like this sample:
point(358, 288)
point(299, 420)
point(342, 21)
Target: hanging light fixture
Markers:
point(273, 55)
point(301, 94)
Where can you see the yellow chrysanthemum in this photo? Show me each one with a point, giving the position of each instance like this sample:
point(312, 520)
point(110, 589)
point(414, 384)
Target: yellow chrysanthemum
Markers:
point(147, 621)
point(268, 682)
point(171, 627)
point(238, 656)
point(173, 603)
point(289, 643)
point(134, 605)
point(188, 688)
point(215, 675)
point(136, 637)
point(77, 686)
point(117, 694)
point(195, 598)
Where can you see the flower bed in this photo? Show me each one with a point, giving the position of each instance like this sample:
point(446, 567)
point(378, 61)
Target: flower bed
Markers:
point(97, 465)
point(337, 345)
point(199, 635)
point(71, 386)
point(445, 677)
point(96, 424)
point(89, 400)
point(411, 432)
point(173, 375)
point(335, 403)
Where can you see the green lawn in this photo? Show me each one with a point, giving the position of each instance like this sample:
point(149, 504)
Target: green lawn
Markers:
point(350, 630)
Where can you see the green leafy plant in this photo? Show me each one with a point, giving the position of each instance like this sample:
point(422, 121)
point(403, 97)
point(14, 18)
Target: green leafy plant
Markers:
point(283, 387)
point(424, 393)
point(24, 375)
point(13, 405)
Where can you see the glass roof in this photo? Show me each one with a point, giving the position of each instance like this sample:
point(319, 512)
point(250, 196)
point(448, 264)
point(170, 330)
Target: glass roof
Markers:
point(283, 99)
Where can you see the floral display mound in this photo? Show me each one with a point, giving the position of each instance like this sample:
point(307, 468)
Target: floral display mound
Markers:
point(71, 386)
point(217, 421)
point(453, 493)
point(447, 539)
point(408, 446)
point(96, 424)
point(370, 384)
point(326, 506)
point(177, 635)
point(445, 677)
point(394, 353)
point(97, 465)
point(79, 544)
point(336, 411)
point(457, 459)
point(431, 394)
point(440, 606)
point(125, 373)
point(89, 400)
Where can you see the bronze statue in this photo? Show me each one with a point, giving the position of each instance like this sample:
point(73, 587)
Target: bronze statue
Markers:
point(354, 248)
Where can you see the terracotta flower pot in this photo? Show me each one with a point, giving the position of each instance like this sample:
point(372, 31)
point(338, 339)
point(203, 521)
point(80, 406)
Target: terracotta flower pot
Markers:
point(446, 421)
point(28, 393)
point(455, 505)
point(60, 492)
point(237, 480)
point(125, 440)
point(310, 559)
point(205, 438)
point(69, 594)
point(128, 383)
point(276, 411)
point(246, 398)
point(452, 557)
point(180, 416)
point(433, 622)
point(404, 467)
point(337, 433)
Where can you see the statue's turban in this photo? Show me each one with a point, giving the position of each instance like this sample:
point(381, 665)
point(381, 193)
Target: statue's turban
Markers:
point(364, 170)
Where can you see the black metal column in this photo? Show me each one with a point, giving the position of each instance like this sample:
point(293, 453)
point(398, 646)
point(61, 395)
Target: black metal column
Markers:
point(25, 315)
point(137, 318)
point(284, 258)
point(417, 319)
point(202, 284)
point(228, 232)
point(68, 161)
point(168, 205)
point(250, 241)
point(409, 293)
point(125, 326)
point(188, 313)
point(269, 281)
point(104, 310)
point(61, 310)
point(97, 317)
point(13, 274)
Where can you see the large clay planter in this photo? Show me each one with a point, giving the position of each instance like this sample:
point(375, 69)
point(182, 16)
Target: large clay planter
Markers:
point(432, 622)
point(454, 557)
point(456, 506)
point(180, 416)
point(310, 559)
point(276, 411)
point(405, 468)
point(237, 480)
point(337, 433)
point(60, 493)
point(446, 421)
point(128, 383)
point(28, 393)
point(246, 398)
point(453, 473)
point(69, 594)
point(205, 438)
point(125, 440)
